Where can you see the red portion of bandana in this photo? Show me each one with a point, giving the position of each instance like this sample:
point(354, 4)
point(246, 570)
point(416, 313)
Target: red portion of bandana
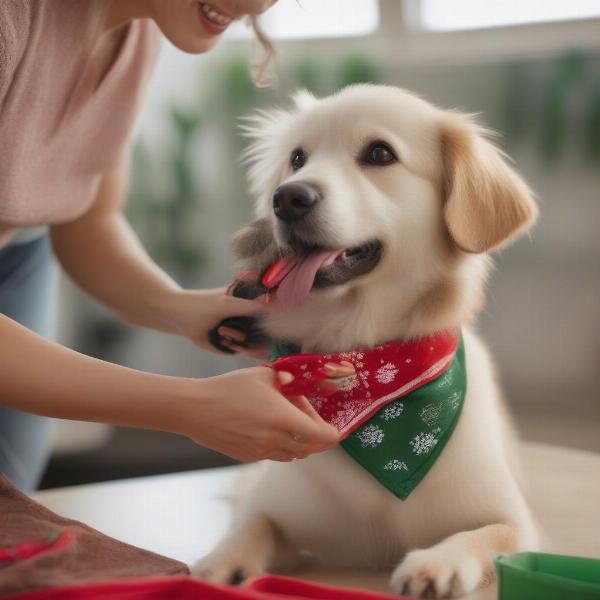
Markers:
point(383, 374)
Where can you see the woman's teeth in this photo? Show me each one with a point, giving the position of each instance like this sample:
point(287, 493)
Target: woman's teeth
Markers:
point(214, 16)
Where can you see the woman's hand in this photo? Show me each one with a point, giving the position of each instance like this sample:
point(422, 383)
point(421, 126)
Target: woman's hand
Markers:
point(241, 414)
point(123, 277)
point(193, 313)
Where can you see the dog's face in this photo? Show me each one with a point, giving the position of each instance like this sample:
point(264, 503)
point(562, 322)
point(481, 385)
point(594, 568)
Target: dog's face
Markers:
point(379, 196)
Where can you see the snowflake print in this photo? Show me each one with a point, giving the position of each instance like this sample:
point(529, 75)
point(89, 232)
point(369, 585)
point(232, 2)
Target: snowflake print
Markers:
point(454, 399)
point(445, 380)
point(318, 402)
point(424, 442)
point(430, 414)
point(370, 436)
point(392, 411)
point(396, 465)
point(349, 383)
point(356, 357)
point(387, 373)
point(354, 382)
point(339, 420)
point(363, 376)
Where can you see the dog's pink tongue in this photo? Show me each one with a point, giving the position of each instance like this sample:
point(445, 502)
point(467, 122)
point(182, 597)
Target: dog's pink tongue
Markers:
point(298, 276)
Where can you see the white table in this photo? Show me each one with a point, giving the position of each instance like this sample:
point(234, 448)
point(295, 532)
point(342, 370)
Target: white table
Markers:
point(183, 515)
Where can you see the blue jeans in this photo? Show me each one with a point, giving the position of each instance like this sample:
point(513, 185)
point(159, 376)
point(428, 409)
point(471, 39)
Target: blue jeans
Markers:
point(27, 295)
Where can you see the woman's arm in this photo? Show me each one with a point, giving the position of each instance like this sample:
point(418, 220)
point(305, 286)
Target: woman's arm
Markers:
point(44, 378)
point(104, 257)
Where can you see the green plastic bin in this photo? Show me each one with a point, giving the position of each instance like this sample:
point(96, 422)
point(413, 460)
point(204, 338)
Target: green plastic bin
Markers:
point(539, 576)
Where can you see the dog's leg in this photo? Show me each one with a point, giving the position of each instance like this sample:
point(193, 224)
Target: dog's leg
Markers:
point(250, 549)
point(458, 565)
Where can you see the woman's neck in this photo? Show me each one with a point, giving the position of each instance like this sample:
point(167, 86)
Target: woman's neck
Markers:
point(120, 12)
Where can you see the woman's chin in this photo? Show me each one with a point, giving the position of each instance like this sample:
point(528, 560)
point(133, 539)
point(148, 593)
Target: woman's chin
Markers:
point(196, 44)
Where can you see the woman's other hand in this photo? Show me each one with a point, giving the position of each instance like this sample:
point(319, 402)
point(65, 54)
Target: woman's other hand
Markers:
point(241, 414)
point(193, 313)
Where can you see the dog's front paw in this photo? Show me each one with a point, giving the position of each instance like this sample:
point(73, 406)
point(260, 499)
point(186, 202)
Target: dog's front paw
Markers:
point(436, 573)
point(226, 569)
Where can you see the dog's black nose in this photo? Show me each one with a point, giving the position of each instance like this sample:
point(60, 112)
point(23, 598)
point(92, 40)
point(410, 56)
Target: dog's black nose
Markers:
point(293, 201)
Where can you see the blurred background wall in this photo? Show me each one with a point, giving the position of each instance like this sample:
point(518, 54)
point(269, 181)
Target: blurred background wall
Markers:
point(529, 69)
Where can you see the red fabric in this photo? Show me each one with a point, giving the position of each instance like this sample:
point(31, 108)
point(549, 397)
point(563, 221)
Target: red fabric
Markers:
point(299, 588)
point(171, 588)
point(268, 587)
point(29, 549)
point(383, 374)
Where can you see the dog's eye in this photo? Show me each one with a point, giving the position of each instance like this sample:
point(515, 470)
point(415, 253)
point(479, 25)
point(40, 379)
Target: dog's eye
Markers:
point(298, 159)
point(378, 154)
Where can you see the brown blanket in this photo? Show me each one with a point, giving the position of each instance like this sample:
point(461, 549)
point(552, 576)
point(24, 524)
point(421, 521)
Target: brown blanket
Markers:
point(39, 549)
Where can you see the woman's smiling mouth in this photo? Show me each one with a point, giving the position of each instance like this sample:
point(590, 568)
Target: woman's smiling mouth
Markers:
point(214, 20)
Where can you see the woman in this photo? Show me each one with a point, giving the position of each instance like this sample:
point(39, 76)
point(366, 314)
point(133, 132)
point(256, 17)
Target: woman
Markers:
point(71, 77)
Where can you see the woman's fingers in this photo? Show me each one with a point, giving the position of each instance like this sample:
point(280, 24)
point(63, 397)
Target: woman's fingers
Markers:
point(301, 402)
point(239, 307)
point(336, 370)
point(311, 434)
point(306, 407)
point(316, 435)
point(284, 377)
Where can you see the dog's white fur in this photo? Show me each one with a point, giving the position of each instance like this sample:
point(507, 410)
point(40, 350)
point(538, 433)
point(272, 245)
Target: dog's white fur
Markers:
point(449, 199)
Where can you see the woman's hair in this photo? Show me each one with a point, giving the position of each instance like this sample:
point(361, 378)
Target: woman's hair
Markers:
point(262, 70)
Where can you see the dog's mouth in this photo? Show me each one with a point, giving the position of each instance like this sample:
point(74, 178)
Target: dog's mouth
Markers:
point(293, 277)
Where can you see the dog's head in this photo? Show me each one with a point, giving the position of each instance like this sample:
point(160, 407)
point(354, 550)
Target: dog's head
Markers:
point(389, 205)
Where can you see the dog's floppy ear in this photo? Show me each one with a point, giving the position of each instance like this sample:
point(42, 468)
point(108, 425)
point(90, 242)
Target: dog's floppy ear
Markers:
point(485, 202)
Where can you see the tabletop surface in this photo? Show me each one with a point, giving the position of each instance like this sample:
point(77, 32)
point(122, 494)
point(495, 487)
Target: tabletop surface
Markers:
point(183, 515)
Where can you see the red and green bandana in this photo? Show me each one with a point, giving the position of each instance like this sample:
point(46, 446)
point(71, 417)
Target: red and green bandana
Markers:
point(398, 410)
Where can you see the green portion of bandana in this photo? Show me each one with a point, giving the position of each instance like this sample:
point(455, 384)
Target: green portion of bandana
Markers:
point(282, 349)
point(401, 442)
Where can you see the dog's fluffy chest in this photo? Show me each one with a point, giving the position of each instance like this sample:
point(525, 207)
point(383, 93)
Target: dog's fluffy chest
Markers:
point(333, 498)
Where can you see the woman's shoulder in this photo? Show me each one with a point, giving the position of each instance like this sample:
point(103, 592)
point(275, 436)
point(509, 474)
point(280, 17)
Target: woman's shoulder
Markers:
point(15, 26)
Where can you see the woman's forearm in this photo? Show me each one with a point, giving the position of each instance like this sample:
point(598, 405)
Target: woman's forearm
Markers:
point(110, 264)
point(44, 378)
point(240, 414)
point(104, 257)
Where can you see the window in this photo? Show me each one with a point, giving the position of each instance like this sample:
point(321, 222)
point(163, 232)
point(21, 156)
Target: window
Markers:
point(294, 19)
point(452, 15)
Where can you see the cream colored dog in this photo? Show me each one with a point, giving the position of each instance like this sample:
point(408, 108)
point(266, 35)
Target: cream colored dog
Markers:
point(413, 197)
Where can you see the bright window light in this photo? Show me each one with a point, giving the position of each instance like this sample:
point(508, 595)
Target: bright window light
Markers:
point(449, 15)
point(294, 19)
